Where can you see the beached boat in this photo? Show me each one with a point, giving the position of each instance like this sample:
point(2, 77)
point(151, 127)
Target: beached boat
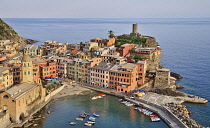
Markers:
point(91, 118)
point(155, 119)
point(72, 123)
point(96, 115)
point(94, 98)
point(99, 97)
point(87, 124)
point(102, 94)
point(80, 119)
point(91, 122)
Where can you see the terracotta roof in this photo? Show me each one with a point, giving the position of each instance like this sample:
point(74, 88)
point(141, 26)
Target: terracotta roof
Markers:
point(75, 51)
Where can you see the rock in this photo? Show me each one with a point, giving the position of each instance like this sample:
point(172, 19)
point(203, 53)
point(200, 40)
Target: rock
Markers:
point(27, 125)
point(48, 112)
point(176, 75)
point(35, 125)
point(179, 86)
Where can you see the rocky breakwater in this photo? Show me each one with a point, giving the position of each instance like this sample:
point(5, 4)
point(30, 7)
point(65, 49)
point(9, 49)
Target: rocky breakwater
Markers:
point(183, 114)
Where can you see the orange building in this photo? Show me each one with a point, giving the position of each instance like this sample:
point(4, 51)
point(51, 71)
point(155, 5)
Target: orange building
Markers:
point(110, 41)
point(52, 68)
point(43, 68)
point(103, 42)
point(123, 77)
point(141, 71)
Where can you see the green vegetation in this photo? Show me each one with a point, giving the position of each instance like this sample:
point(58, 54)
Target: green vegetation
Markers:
point(130, 40)
point(138, 57)
point(133, 49)
point(7, 33)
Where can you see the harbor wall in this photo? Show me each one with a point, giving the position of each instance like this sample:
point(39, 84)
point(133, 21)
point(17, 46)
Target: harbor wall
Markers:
point(159, 110)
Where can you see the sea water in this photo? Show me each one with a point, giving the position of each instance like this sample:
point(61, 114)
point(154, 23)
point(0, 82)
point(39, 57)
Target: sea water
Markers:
point(185, 47)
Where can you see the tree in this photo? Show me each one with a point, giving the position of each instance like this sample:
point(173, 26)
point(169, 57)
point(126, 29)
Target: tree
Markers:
point(138, 57)
point(111, 34)
point(117, 43)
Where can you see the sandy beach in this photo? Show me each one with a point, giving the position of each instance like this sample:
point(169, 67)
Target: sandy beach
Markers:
point(72, 89)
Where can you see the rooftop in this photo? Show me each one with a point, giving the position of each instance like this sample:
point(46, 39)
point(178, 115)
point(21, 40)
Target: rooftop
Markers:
point(20, 89)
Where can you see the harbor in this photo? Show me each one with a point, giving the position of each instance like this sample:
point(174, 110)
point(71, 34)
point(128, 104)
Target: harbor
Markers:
point(110, 110)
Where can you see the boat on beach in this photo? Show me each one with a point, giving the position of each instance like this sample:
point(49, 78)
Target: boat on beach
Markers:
point(94, 98)
point(101, 94)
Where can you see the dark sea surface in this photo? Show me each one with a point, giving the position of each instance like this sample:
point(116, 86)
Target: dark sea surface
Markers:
point(186, 50)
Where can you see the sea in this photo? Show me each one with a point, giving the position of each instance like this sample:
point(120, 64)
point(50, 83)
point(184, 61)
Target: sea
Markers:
point(185, 44)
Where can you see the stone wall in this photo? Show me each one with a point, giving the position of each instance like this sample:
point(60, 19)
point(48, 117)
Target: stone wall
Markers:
point(162, 79)
point(4, 119)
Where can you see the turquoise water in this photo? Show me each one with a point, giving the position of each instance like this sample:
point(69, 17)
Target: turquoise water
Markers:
point(113, 114)
point(185, 44)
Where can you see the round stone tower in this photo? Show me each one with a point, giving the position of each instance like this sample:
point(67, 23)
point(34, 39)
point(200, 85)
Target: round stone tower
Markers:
point(135, 28)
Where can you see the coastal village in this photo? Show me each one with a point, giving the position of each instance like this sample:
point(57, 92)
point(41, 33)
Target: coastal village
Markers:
point(31, 75)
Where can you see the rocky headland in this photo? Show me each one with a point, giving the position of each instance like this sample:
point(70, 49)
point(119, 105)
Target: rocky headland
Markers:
point(8, 33)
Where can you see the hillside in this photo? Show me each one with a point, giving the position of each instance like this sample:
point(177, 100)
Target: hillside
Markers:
point(8, 33)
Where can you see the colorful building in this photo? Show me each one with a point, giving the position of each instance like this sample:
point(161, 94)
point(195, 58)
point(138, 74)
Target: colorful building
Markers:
point(99, 74)
point(124, 49)
point(123, 77)
point(6, 77)
point(152, 55)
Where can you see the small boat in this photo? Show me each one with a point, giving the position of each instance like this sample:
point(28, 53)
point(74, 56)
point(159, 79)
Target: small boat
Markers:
point(96, 115)
point(91, 122)
point(94, 98)
point(152, 115)
point(91, 118)
point(155, 119)
point(102, 94)
point(80, 119)
point(87, 114)
point(83, 115)
point(137, 108)
point(87, 124)
point(99, 97)
point(72, 123)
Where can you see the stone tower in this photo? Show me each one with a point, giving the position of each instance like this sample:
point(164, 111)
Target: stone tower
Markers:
point(27, 70)
point(135, 28)
point(162, 78)
point(135, 31)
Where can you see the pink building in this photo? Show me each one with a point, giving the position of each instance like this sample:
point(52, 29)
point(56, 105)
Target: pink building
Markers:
point(61, 66)
point(99, 74)
point(124, 49)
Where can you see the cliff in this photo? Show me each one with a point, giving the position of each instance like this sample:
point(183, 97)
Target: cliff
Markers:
point(8, 33)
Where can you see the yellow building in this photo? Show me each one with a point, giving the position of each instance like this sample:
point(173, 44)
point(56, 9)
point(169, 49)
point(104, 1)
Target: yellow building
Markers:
point(22, 99)
point(27, 69)
point(6, 77)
